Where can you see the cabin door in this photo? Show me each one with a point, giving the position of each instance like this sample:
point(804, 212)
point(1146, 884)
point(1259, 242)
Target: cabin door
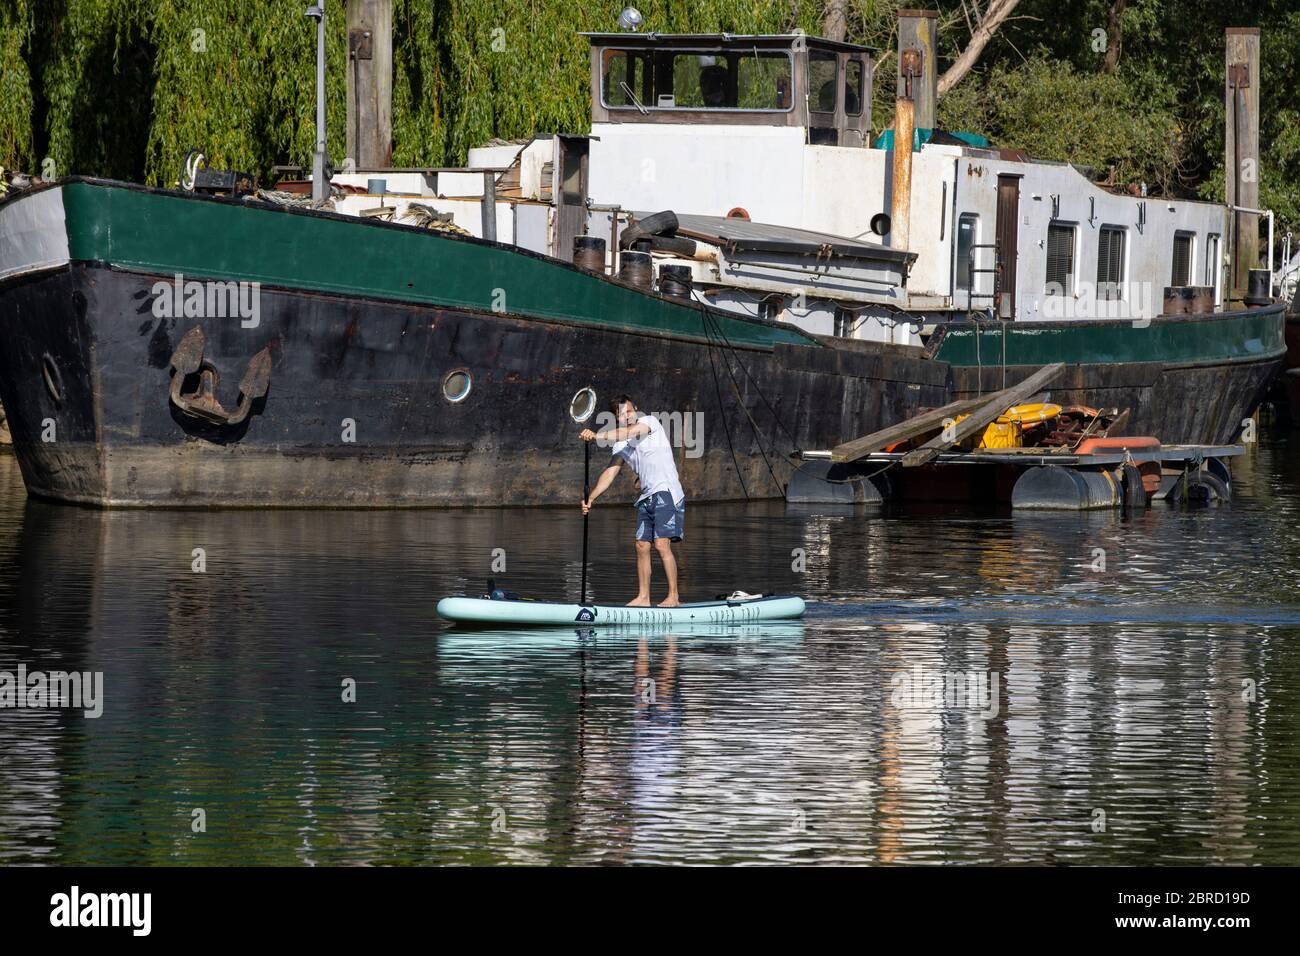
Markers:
point(570, 189)
point(1008, 245)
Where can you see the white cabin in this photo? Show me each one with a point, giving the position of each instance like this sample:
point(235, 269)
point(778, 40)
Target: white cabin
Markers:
point(776, 130)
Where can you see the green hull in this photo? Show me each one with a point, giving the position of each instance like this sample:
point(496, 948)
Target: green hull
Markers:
point(1250, 336)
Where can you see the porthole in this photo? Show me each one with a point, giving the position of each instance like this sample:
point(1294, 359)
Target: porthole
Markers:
point(456, 386)
point(583, 405)
point(53, 380)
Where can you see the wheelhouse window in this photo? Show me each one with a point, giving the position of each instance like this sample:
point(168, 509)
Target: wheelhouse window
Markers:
point(626, 78)
point(1182, 267)
point(696, 80)
point(822, 70)
point(1110, 262)
point(967, 231)
point(1060, 259)
point(853, 88)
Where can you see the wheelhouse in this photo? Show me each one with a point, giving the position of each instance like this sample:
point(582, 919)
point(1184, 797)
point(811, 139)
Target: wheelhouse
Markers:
point(778, 80)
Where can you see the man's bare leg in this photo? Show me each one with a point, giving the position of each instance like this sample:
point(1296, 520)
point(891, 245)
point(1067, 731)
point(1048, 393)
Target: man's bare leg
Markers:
point(642, 598)
point(665, 548)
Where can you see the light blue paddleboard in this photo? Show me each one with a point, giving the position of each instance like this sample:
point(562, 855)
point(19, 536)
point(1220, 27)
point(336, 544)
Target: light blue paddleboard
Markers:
point(481, 611)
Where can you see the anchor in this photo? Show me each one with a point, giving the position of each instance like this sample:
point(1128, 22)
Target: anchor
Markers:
point(202, 403)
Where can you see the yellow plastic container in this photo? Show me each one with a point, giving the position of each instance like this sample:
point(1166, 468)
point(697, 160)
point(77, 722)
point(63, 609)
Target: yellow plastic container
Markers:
point(1002, 435)
point(1007, 430)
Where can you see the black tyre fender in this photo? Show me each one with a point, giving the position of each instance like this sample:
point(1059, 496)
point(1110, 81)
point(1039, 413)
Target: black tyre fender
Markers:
point(1199, 487)
point(656, 224)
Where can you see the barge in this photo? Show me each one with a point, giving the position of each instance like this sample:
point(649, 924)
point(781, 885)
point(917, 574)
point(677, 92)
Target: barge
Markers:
point(168, 347)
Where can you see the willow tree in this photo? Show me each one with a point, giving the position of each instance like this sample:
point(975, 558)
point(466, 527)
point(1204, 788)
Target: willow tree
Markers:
point(92, 61)
point(16, 146)
point(236, 79)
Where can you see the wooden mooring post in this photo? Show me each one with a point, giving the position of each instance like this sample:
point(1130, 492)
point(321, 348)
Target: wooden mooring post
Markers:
point(370, 83)
point(1241, 155)
point(917, 65)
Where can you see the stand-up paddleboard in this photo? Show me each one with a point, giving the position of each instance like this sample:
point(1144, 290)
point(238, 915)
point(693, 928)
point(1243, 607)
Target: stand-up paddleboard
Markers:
point(522, 613)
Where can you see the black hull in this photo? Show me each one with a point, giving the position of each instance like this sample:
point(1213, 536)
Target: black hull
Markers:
point(119, 440)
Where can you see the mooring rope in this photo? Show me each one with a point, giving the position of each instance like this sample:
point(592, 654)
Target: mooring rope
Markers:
point(713, 327)
point(725, 427)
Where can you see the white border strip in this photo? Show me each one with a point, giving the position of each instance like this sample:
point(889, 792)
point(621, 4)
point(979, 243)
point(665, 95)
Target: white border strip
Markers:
point(33, 234)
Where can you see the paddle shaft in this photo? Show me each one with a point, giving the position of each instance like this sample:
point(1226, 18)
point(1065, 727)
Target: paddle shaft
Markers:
point(586, 493)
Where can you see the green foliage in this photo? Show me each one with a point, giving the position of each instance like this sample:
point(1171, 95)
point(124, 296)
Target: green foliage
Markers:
point(1052, 112)
point(94, 62)
point(1173, 56)
point(237, 79)
point(16, 149)
point(124, 88)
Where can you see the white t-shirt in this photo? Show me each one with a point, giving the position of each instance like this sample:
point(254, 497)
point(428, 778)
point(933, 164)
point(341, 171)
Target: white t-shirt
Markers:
point(651, 457)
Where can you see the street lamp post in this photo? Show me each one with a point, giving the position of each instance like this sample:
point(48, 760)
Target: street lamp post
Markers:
point(319, 187)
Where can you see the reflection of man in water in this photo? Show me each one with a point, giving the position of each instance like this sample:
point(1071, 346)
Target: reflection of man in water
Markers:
point(656, 751)
point(713, 85)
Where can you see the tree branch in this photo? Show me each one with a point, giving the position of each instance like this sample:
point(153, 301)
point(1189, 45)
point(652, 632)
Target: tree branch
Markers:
point(834, 20)
point(994, 15)
point(1114, 36)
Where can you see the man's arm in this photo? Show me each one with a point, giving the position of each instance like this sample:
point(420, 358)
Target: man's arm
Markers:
point(602, 484)
point(611, 435)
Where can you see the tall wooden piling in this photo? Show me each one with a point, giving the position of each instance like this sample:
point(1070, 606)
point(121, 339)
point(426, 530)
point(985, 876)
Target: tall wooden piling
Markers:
point(917, 68)
point(370, 83)
point(1241, 153)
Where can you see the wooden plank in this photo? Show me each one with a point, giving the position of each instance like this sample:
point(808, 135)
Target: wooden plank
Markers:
point(901, 431)
point(1118, 424)
point(990, 408)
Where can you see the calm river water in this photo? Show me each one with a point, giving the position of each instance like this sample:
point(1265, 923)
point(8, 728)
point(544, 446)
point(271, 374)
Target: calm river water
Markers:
point(1145, 706)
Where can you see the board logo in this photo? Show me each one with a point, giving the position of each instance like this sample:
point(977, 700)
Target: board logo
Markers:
point(586, 615)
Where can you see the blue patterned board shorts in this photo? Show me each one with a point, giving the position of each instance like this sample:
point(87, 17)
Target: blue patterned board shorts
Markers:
point(659, 517)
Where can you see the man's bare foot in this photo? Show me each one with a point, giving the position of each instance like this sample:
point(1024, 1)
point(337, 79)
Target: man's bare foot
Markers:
point(670, 602)
point(639, 602)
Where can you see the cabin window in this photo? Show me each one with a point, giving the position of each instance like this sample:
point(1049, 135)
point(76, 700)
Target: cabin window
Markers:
point(1110, 262)
point(1212, 263)
point(853, 88)
point(822, 70)
point(1060, 259)
point(1182, 271)
point(696, 80)
point(967, 230)
point(763, 81)
point(626, 78)
point(844, 322)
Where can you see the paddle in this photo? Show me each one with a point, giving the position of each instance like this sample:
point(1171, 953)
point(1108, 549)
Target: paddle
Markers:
point(586, 492)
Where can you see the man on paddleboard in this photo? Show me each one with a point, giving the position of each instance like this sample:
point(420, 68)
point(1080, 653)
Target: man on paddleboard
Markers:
point(642, 442)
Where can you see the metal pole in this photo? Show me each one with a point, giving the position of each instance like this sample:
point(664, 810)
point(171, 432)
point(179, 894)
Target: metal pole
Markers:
point(319, 187)
point(586, 494)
